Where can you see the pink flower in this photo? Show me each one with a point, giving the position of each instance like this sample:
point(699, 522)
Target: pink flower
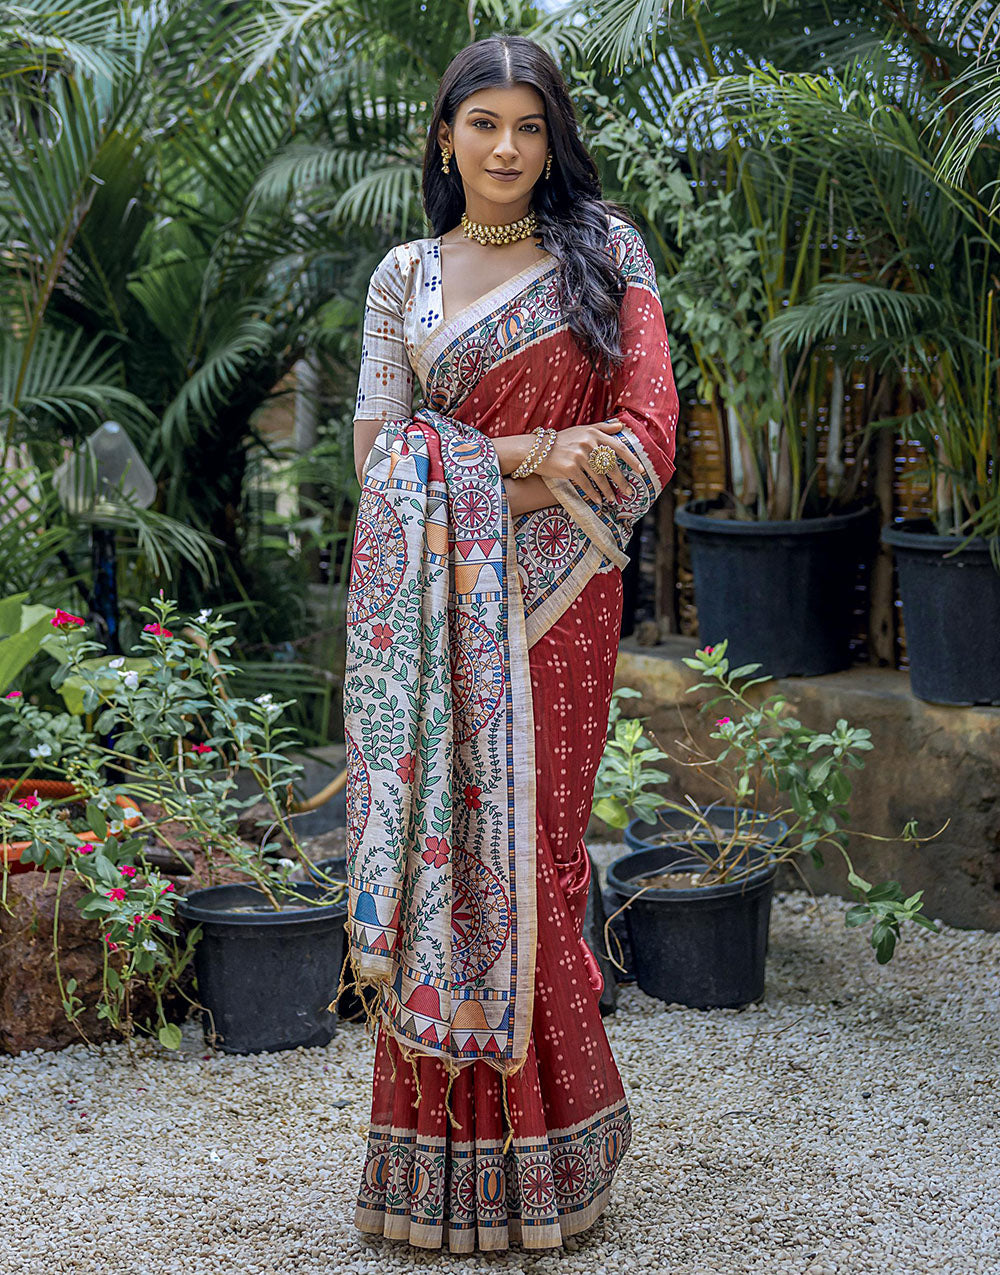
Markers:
point(167, 888)
point(113, 946)
point(157, 630)
point(117, 894)
point(382, 636)
point(201, 748)
point(127, 870)
point(65, 620)
point(724, 721)
point(154, 916)
point(29, 802)
point(436, 852)
point(471, 794)
point(84, 849)
point(709, 650)
point(14, 695)
point(407, 768)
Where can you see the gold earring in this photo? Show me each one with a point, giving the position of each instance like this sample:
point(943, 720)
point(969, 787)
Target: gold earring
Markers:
point(445, 156)
point(548, 166)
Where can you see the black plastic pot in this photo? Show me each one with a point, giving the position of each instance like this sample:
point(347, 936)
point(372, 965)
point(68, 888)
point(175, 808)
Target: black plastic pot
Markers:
point(951, 609)
point(350, 1005)
point(266, 977)
point(704, 946)
point(672, 825)
point(782, 593)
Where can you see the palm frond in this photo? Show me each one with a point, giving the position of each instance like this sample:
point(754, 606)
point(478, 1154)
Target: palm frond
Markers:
point(852, 308)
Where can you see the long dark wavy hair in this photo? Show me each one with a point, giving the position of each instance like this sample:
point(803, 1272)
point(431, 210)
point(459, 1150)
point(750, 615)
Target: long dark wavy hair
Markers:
point(571, 212)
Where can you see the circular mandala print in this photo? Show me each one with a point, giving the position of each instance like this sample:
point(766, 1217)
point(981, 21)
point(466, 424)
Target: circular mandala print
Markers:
point(359, 789)
point(480, 918)
point(537, 1188)
point(378, 559)
point(552, 537)
point(570, 1173)
point(476, 510)
point(477, 676)
point(469, 365)
point(512, 325)
point(467, 452)
point(420, 1177)
point(377, 1174)
point(610, 1148)
point(463, 1187)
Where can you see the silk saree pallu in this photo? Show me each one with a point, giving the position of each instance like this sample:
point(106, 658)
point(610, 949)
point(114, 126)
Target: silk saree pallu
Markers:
point(467, 879)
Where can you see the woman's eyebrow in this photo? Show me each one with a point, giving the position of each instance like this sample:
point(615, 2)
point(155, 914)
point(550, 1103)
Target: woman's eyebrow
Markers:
point(484, 111)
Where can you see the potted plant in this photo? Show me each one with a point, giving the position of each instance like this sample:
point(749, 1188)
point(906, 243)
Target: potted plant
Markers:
point(912, 298)
point(267, 950)
point(777, 555)
point(949, 563)
point(698, 912)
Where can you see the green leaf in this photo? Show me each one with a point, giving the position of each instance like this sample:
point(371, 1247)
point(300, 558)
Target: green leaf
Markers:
point(169, 1036)
point(96, 821)
point(612, 812)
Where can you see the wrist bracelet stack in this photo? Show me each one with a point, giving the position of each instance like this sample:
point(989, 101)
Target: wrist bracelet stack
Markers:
point(545, 438)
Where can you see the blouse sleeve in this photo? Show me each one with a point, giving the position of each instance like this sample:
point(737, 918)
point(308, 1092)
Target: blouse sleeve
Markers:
point(385, 380)
point(644, 401)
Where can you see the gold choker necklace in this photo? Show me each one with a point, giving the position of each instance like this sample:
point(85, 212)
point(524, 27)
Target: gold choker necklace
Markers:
point(485, 233)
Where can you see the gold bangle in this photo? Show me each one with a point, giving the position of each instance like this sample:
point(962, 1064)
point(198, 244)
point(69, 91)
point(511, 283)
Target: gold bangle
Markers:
point(521, 471)
point(531, 461)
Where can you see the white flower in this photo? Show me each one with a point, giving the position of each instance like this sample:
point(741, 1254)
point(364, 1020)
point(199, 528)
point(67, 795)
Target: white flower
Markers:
point(131, 680)
point(287, 864)
point(43, 750)
point(204, 615)
point(266, 700)
point(117, 663)
point(150, 945)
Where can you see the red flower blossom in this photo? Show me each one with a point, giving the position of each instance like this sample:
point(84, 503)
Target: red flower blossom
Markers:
point(168, 887)
point(118, 893)
point(201, 748)
point(382, 636)
point(14, 695)
point(407, 768)
point(436, 852)
point(157, 630)
point(64, 620)
point(154, 916)
point(29, 802)
point(471, 794)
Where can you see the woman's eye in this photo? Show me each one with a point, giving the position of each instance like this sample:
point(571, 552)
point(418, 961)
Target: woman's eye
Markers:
point(534, 127)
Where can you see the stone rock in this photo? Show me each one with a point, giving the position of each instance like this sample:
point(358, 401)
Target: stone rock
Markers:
point(328, 845)
point(31, 1011)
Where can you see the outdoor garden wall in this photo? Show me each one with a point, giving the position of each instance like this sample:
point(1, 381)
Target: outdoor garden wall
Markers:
point(930, 763)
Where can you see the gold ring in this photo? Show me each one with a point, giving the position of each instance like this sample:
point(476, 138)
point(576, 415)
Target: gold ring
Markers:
point(601, 459)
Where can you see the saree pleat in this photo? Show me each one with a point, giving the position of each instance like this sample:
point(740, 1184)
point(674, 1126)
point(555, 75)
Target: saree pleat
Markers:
point(433, 1179)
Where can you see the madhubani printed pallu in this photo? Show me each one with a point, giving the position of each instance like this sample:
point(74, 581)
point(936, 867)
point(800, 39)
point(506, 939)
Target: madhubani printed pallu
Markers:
point(480, 658)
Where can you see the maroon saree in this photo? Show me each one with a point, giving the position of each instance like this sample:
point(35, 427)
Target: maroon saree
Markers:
point(481, 653)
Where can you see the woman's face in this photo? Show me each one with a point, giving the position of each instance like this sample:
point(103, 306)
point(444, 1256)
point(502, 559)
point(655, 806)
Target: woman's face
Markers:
point(498, 128)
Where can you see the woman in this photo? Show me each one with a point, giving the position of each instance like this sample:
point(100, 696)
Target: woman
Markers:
point(483, 624)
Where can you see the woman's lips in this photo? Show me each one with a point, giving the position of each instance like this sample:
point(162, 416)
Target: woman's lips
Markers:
point(504, 177)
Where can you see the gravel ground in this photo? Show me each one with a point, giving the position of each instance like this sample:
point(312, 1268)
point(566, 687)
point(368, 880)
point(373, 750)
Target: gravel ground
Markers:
point(848, 1124)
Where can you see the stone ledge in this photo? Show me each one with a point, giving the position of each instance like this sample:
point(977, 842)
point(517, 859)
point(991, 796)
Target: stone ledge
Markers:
point(931, 762)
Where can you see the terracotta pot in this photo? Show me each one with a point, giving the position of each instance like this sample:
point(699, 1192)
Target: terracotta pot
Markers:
point(46, 789)
point(11, 851)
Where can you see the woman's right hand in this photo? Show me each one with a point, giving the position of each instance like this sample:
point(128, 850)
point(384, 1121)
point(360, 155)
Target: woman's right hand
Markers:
point(569, 454)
